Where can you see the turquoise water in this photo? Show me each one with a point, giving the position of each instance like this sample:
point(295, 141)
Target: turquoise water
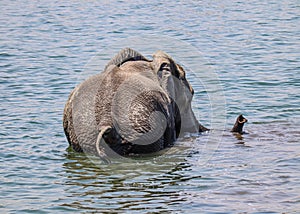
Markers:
point(253, 47)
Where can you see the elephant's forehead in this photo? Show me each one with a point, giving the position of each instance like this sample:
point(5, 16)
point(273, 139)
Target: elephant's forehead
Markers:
point(162, 54)
point(136, 66)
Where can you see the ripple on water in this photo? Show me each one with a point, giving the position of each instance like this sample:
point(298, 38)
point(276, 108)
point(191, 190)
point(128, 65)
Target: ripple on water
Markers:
point(252, 46)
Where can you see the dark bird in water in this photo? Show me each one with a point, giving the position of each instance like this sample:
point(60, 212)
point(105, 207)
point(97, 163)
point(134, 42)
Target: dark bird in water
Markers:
point(239, 124)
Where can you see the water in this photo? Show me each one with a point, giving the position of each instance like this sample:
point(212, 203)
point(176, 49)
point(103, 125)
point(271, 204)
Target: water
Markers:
point(253, 46)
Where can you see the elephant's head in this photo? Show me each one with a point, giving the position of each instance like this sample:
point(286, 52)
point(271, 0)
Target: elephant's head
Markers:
point(173, 80)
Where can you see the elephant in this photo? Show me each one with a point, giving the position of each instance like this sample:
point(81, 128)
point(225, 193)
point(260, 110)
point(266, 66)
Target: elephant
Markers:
point(135, 106)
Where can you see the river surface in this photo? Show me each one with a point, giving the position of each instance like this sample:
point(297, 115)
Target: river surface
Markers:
point(251, 49)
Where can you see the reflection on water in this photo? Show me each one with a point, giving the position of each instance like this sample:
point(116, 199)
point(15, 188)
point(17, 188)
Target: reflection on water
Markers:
point(176, 181)
point(151, 183)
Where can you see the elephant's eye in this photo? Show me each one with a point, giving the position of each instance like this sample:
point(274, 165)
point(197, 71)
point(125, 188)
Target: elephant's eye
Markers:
point(165, 67)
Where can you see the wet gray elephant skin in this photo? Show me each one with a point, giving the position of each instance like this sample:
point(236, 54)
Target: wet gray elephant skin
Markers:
point(135, 106)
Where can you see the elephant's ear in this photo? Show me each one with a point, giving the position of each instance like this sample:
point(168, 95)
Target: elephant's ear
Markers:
point(125, 55)
point(181, 76)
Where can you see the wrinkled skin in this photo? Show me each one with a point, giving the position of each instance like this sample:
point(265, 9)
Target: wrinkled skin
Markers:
point(134, 106)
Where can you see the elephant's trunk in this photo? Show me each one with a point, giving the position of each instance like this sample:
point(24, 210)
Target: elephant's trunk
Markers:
point(239, 123)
